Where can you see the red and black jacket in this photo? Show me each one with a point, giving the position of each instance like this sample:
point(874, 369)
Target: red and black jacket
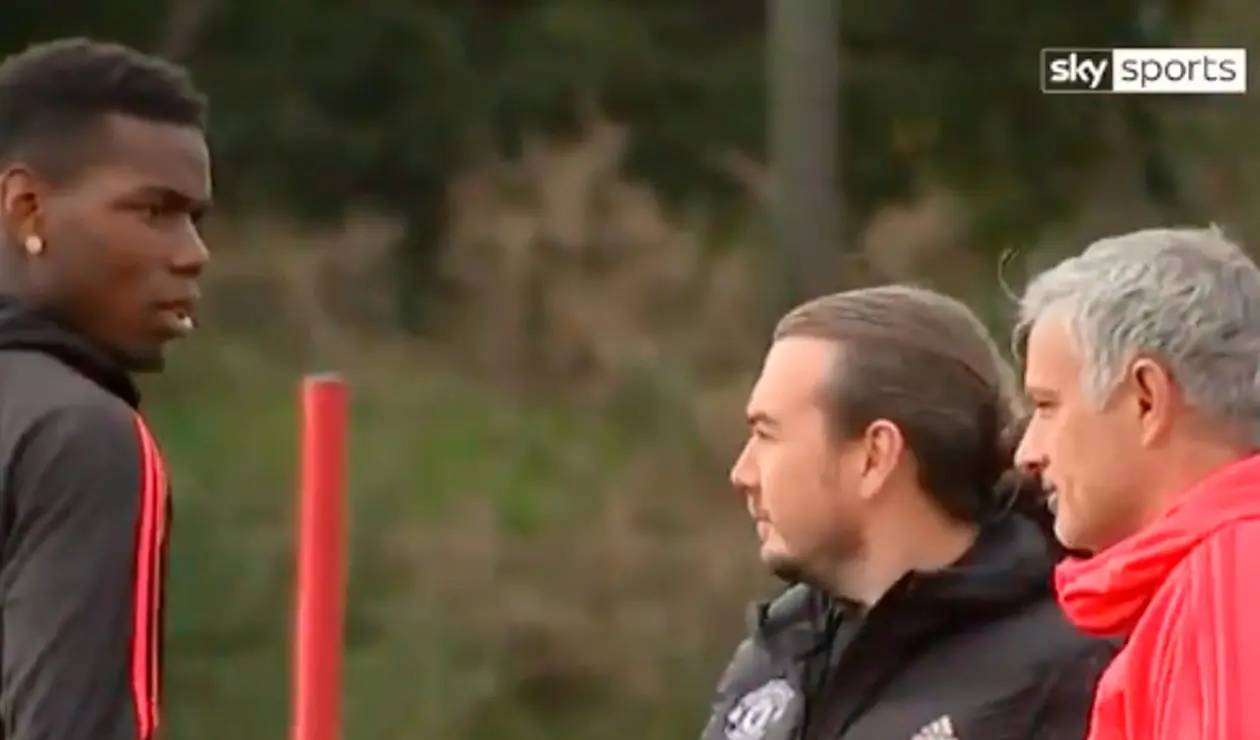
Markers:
point(84, 516)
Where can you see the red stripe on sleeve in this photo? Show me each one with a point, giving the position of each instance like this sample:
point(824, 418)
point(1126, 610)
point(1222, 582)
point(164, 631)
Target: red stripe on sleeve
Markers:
point(150, 536)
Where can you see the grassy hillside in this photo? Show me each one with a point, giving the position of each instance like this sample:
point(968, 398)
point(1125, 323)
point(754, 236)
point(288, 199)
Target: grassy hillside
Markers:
point(517, 571)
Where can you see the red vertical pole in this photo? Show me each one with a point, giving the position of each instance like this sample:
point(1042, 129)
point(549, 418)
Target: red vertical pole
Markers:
point(321, 559)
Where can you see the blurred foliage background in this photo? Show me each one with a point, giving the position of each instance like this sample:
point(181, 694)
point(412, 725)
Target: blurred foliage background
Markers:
point(533, 233)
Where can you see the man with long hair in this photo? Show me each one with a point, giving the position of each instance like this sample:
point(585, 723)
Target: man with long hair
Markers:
point(876, 473)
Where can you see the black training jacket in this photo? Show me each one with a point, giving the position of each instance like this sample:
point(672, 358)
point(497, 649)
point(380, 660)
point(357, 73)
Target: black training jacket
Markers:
point(979, 651)
point(83, 520)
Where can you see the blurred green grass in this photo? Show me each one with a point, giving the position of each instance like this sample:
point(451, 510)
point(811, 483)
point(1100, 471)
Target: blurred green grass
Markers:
point(456, 495)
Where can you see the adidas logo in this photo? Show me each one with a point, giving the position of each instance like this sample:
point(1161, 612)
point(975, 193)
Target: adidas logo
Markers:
point(941, 728)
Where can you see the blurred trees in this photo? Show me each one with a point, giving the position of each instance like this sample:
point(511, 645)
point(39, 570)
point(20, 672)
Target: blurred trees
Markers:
point(512, 563)
point(321, 105)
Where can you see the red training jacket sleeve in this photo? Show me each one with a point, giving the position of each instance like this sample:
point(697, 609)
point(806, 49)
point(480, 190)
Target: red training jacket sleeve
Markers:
point(81, 580)
point(1204, 673)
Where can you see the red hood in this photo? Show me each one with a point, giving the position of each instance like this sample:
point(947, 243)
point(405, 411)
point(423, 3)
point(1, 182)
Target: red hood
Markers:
point(1107, 594)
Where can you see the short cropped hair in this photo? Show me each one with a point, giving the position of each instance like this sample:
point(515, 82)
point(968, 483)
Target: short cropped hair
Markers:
point(53, 95)
point(1188, 297)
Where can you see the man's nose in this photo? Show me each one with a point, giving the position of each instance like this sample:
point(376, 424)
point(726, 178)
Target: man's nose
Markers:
point(192, 256)
point(1029, 457)
point(744, 471)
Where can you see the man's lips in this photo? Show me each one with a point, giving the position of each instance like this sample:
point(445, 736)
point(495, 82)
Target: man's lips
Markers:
point(177, 317)
point(1051, 496)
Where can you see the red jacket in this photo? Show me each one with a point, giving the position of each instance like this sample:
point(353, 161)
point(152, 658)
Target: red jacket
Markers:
point(1185, 592)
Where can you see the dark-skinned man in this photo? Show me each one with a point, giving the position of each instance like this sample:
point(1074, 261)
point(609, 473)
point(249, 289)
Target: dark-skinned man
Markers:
point(104, 173)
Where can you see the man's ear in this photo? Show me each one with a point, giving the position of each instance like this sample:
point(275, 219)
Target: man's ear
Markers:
point(882, 449)
point(1154, 395)
point(21, 196)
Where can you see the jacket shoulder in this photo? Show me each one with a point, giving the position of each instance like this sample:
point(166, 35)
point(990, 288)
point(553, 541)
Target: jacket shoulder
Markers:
point(752, 667)
point(36, 385)
point(752, 683)
point(1040, 637)
point(1002, 676)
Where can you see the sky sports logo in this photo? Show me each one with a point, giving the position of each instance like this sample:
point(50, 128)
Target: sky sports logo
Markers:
point(1144, 71)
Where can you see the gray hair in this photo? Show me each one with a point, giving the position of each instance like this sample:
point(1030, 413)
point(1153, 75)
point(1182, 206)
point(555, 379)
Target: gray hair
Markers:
point(1189, 298)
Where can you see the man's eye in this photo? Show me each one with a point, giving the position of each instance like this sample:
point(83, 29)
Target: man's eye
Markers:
point(154, 211)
